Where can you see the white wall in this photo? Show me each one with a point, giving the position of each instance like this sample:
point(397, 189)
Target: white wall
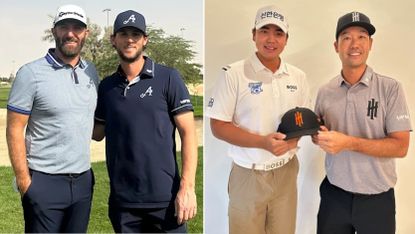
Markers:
point(228, 38)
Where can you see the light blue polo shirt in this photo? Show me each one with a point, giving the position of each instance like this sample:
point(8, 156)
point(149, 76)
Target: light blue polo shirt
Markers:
point(60, 101)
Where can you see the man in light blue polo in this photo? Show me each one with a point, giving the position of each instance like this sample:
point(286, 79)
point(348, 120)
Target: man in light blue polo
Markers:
point(54, 98)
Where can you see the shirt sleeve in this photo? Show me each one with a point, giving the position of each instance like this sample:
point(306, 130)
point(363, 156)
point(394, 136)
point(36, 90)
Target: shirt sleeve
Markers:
point(397, 116)
point(22, 93)
point(178, 97)
point(222, 103)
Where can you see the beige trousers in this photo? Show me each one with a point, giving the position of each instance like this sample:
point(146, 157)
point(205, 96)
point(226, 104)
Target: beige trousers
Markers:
point(263, 201)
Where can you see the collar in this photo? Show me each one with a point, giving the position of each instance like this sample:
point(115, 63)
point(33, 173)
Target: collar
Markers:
point(146, 72)
point(58, 63)
point(258, 66)
point(365, 79)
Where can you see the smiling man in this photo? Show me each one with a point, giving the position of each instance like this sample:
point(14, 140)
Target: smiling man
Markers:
point(245, 111)
point(366, 127)
point(139, 108)
point(54, 99)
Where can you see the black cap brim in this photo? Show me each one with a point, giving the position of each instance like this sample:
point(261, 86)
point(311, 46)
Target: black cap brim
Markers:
point(301, 133)
point(369, 27)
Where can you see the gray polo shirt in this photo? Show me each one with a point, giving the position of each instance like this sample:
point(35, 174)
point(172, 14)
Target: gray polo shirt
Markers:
point(371, 108)
point(60, 101)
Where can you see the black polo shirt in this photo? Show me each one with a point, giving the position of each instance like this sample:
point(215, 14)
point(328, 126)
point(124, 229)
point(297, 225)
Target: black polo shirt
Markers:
point(140, 134)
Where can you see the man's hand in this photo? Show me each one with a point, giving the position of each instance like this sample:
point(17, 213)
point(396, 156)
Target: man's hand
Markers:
point(23, 185)
point(276, 144)
point(185, 205)
point(331, 142)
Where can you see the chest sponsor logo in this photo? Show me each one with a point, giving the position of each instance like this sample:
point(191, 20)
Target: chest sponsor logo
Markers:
point(372, 108)
point(292, 88)
point(90, 84)
point(256, 88)
point(148, 92)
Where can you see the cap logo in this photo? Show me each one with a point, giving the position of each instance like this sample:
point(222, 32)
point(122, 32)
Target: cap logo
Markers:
point(70, 12)
point(299, 119)
point(355, 16)
point(272, 14)
point(132, 18)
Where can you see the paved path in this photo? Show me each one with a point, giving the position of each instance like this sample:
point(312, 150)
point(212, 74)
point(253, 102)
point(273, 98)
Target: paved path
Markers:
point(97, 148)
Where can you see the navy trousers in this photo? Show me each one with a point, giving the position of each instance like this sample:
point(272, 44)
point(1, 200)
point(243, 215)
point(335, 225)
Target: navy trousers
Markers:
point(342, 212)
point(144, 220)
point(58, 203)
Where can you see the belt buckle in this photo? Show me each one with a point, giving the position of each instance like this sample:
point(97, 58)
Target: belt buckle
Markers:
point(74, 175)
point(274, 165)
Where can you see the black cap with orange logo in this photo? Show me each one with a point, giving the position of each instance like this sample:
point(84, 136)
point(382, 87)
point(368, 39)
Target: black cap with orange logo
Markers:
point(298, 122)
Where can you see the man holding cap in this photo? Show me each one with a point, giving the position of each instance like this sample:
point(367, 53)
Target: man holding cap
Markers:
point(366, 127)
point(54, 99)
point(245, 110)
point(138, 110)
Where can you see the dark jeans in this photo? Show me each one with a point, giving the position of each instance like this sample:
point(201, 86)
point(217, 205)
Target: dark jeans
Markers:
point(343, 212)
point(58, 203)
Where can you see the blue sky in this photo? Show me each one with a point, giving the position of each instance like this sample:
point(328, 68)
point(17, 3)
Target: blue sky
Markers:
point(22, 24)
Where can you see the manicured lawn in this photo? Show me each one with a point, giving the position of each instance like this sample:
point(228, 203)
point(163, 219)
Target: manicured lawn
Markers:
point(4, 95)
point(11, 217)
point(197, 102)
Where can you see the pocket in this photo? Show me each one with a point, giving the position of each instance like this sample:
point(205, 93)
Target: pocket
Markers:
point(32, 173)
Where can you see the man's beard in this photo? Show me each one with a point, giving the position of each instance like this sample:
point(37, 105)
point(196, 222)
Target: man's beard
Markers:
point(131, 59)
point(69, 52)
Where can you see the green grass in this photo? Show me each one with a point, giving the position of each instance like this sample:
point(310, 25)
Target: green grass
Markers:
point(197, 102)
point(11, 213)
point(4, 95)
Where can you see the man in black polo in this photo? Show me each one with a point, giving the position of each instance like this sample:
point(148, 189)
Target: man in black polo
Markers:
point(138, 110)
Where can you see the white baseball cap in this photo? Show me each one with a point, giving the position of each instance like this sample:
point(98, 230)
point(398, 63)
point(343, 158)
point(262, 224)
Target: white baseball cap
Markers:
point(70, 12)
point(270, 15)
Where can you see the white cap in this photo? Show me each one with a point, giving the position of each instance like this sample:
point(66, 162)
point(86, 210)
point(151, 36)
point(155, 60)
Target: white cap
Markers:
point(270, 15)
point(70, 12)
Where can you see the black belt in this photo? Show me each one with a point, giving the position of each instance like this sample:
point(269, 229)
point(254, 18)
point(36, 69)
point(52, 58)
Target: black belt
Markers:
point(71, 175)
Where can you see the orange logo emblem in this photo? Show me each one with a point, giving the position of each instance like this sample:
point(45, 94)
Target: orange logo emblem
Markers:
point(299, 119)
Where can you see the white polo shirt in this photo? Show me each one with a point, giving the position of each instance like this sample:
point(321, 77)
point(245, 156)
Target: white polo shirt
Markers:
point(254, 99)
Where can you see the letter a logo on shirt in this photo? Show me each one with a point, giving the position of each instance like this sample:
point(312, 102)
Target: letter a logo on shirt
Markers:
point(132, 18)
point(148, 92)
point(299, 119)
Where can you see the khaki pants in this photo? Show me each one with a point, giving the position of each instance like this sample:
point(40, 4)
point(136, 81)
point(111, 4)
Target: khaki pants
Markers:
point(263, 201)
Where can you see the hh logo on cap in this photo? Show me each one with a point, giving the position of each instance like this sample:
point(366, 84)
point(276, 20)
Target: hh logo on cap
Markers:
point(132, 18)
point(299, 119)
point(355, 16)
